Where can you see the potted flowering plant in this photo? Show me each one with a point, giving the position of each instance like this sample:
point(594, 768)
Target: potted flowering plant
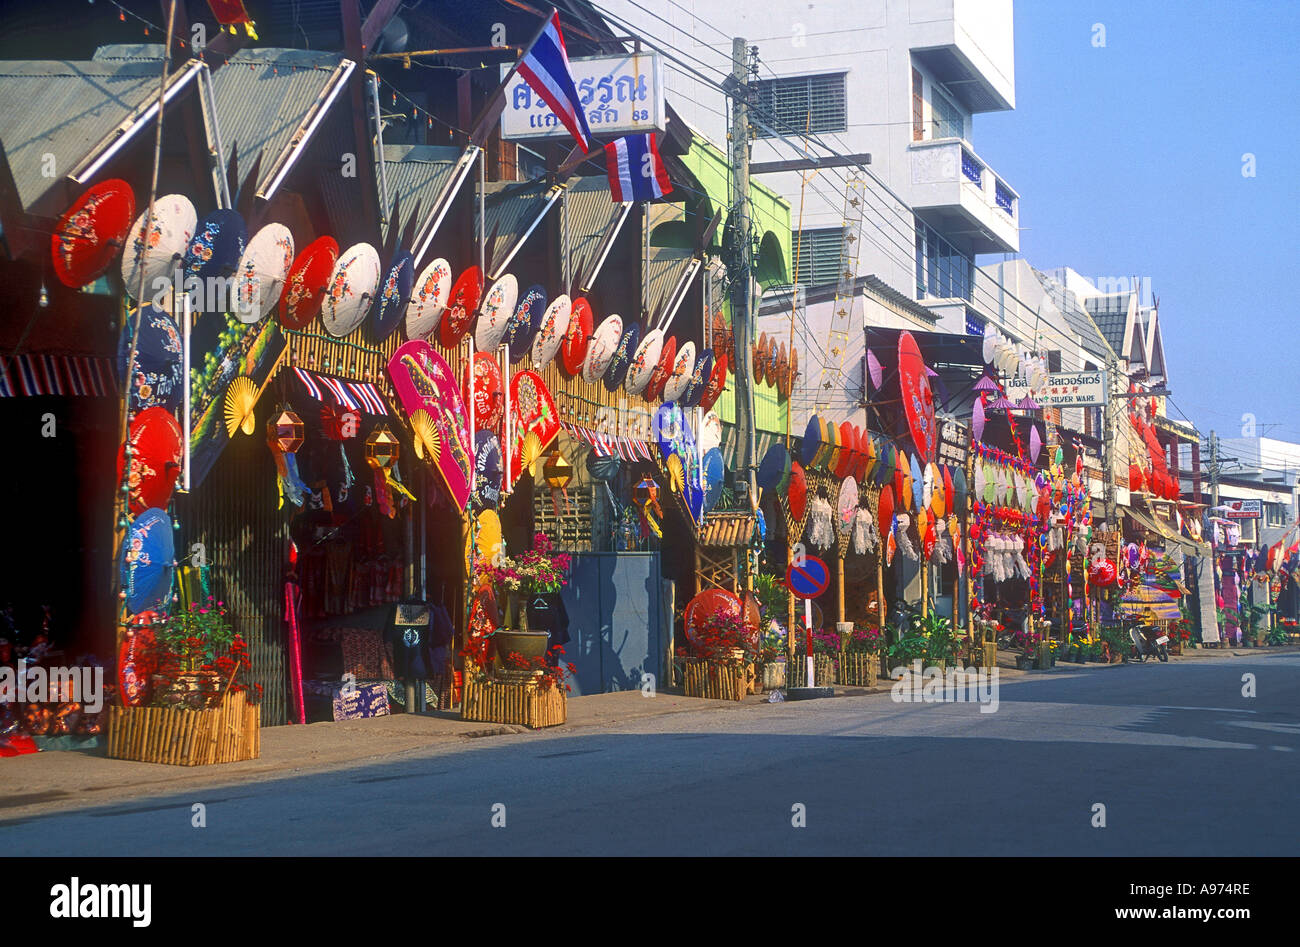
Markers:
point(858, 663)
point(1027, 643)
point(539, 570)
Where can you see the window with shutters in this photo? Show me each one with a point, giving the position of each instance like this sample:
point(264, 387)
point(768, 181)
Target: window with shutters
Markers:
point(818, 254)
point(790, 105)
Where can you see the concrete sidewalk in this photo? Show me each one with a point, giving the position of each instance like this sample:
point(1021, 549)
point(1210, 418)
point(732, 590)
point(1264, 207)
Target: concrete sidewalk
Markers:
point(76, 778)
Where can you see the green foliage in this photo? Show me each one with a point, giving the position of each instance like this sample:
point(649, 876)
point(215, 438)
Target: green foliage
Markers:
point(773, 596)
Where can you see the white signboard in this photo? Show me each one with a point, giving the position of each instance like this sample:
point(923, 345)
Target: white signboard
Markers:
point(622, 95)
point(1064, 390)
point(1241, 509)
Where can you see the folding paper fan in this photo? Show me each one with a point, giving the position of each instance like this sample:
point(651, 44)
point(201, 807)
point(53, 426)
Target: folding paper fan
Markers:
point(91, 232)
point(423, 379)
point(352, 288)
point(241, 400)
point(644, 362)
point(534, 412)
point(155, 251)
point(601, 348)
point(308, 281)
point(261, 273)
point(683, 365)
point(573, 351)
point(428, 442)
point(429, 299)
point(550, 336)
point(461, 303)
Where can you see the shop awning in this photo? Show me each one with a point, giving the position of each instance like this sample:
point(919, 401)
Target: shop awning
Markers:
point(591, 222)
point(727, 529)
point(513, 213)
point(76, 375)
point(1170, 539)
point(348, 395)
point(631, 449)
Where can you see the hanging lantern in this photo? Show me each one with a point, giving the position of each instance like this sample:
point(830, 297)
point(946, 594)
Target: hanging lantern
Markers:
point(382, 451)
point(558, 474)
point(288, 429)
point(646, 496)
point(284, 436)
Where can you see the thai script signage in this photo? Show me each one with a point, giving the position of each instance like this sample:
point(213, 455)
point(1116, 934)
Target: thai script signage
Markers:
point(1064, 390)
point(621, 94)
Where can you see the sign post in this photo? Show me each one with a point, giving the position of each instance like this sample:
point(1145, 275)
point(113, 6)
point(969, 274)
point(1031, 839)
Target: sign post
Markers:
point(807, 580)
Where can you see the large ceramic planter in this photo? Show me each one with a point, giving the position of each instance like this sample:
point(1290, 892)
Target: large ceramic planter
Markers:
point(1024, 662)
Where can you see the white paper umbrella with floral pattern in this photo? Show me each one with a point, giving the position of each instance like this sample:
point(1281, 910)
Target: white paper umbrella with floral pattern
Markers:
point(261, 272)
point(159, 251)
point(644, 362)
point(555, 323)
point(498, 307)
point(604, 342)
point(428, 299)
point(351, 289)
point(684, 365)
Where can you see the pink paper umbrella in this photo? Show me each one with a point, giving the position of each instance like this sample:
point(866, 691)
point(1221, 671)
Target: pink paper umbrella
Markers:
point(977, 419)
point(1035, 444)
point(873, 366)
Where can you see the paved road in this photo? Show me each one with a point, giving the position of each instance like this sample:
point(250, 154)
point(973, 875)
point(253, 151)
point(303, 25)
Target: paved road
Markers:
point(1183, 763)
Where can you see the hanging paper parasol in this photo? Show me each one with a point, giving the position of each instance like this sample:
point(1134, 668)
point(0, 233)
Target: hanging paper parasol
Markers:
point(874, 370)
point(429, 299)
point(487, 470)
point(1035, 443)
point(156, 452)
point(885, 511)
point(214, 250)
point(488, 393)
point(601, 348)
point(534, 413)
point(261, 273)
point(489, 543)
point(700, 377)
point(621, 361)
point(158, 248)
point(663, 370)
point(916, 480)
point(676, 384)
point(352, 288)
point(644, 362)
point(783, 372)
point(918, 401)
point(549, 338)
point(1028, 404)
point(461, 303)
point(797, 494)
point(710, 432)
point(847, 505)
point(148, 562)
point(977, 419)
point(394, 295)
point(1002, 403)
point(158, 373)
point(309, 277)
point(573, 351)
point(714, 478)
point(526, 320)
point(774, 468)
point(91, 232)
point(811, 441)
point(423, 379)
point(760, 360)
point(498, 310)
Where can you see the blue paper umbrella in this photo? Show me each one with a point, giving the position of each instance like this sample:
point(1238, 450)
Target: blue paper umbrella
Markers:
point(487, 470)
point(394, 294)
point(774, 467)
point(623, 355)
point(668, 426)
point(147, 563)
point(158, 374)
point(215, 249)
point(714, 471)
point(525, 322)
point(812, 438)
point(700, 376)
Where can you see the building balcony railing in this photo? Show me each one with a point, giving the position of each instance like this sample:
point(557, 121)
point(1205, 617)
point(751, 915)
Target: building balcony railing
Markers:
point(956, 192)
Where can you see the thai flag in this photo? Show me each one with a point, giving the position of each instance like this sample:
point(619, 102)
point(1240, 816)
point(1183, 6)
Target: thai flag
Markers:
point(636, 172)
point(545, 67)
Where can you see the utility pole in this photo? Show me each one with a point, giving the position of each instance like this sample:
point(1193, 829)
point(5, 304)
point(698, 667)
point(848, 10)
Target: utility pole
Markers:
point(1108, 443)
point(738, 266)
point(1214, 469)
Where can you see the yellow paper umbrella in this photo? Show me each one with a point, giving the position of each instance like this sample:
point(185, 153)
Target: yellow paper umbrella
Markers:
point(938, 500)
point(241, 399)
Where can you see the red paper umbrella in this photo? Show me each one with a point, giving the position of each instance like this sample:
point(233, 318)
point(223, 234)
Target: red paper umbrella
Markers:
point(760, 359)
point(1136, 482)
point(573, 350)
point(899, 494)
point(91, 232)
point(717, 383)
point(948, 493)
point(928, 542)
point(797, 492)
point(663, 371)
point(461, 303)
point(848, 456)
point(488, 395)
point(864, 452)
point(885, 513)
point(304, 291)
point(918, 401)
point(155, 439)
point(710, 608)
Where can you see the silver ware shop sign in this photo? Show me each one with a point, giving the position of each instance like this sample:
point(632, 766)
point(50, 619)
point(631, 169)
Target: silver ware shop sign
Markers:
point(622, 95)
point(1064, 390)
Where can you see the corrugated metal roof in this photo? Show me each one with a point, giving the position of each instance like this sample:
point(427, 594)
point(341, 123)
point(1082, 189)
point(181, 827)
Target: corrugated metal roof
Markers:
point(416, 175)
point(592, 218)
point(64, 109)
point(511, 209)
point(664, 271)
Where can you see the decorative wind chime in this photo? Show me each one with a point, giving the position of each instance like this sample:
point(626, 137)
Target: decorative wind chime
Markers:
point(284, 437)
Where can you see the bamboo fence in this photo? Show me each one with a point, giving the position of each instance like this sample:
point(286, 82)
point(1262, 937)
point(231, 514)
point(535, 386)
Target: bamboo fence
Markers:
point(179, 736)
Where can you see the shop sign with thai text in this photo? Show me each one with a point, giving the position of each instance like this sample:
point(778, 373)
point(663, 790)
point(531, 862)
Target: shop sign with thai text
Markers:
point(622, 95)
point(1064, 390)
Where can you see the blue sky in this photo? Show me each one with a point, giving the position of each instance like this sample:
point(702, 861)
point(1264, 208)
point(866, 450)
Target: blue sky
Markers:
point(1128, 161)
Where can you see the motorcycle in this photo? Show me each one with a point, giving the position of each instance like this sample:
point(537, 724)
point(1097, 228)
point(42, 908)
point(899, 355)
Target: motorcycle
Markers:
point(1149, 641)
